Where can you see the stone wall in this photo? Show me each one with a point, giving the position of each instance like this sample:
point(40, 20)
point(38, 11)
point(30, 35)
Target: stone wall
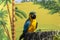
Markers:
point(40, 35)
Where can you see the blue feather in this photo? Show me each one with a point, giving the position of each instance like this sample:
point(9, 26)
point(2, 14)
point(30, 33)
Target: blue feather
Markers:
point(26, 25)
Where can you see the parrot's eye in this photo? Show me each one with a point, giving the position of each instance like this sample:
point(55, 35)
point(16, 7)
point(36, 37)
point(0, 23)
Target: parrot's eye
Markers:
point(33, 16)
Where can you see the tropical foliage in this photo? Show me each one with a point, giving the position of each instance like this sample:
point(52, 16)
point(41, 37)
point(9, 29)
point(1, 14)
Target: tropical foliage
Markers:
point(3, 28)
point(16, 9)
point(50, 5)
point(2, 35)
point(5, 2)
point(18, 12)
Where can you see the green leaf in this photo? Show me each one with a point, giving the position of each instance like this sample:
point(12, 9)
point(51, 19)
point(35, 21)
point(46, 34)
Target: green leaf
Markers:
point(18, 15)
point(1, 1)
point(5, 3)
point(9, 1)
point(2, 34)
point(21, 12)
point(3, 13)
point(0, 22)
point(4, 23)
point(50, 5)
point(53, 11)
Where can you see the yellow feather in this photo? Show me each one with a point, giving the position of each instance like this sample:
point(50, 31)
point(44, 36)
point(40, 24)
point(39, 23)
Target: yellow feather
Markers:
point(32, 26)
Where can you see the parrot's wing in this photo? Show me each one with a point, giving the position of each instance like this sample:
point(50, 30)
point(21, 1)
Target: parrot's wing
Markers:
point(26, 25)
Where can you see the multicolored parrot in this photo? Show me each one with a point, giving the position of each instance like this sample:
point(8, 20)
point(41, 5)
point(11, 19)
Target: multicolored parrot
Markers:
point(30, 25)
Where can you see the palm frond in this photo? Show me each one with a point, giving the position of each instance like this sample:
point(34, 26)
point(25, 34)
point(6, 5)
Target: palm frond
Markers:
point(2, 22)
point(5, 2)
point(53, 12)
point(21, 12)
point(18, 15)
point(9, 1)
point(2, 34)
point(1, 1)
point(49, 5)
point(3, 13)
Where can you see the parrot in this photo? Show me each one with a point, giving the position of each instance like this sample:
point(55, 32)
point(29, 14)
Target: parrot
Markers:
point(30, 24)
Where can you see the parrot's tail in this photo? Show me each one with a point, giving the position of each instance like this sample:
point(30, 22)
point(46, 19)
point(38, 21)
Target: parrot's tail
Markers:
point(22, 36)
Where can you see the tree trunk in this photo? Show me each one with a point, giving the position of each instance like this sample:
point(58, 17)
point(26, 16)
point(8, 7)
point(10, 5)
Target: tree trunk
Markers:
point(13, 19)
point(9, 14)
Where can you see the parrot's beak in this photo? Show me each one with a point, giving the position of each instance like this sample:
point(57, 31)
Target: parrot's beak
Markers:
point(33, 16)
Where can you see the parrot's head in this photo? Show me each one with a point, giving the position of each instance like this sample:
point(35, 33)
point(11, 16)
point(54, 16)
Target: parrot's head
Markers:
point(32, 15)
